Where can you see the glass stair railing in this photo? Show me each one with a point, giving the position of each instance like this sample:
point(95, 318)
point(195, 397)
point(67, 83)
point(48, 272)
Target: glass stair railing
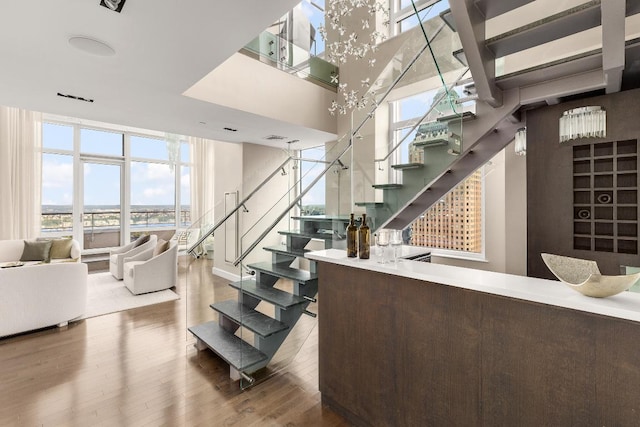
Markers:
point(259, 327)
point(292, 45)
point(425, 135)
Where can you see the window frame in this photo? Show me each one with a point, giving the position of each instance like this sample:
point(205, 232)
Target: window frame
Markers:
point(397, 15)
point(125, 161)
point(395, 126)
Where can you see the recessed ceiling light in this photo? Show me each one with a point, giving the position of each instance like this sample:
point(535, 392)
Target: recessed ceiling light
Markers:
point(91, 46)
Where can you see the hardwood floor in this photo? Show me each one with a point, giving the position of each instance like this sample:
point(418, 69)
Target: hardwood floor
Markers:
point(139, 368)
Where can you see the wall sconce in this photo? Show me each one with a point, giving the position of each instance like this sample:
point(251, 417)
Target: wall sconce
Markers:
point(583, 122)
point(521, 142)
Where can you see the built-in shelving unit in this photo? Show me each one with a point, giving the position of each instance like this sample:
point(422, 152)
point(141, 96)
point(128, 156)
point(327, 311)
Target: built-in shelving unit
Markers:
point(605, 197)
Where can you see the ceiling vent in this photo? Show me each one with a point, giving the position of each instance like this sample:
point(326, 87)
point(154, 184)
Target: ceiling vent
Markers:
point(231, 129)
point(274, 138)
point(115, 5)
point(77, 98)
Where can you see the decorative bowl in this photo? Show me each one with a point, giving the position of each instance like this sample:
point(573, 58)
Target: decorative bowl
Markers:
point(584, 276)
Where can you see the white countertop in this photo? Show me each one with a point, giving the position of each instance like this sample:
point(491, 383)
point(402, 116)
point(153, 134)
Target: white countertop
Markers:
point(625, 305)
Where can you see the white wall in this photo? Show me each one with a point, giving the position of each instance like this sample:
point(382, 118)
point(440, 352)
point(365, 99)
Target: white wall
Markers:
point(245, 84)
point(243, 167)
point(227, 167)
point(516, 212)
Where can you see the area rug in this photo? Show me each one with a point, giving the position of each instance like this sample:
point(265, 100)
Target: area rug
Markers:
point(107, 295)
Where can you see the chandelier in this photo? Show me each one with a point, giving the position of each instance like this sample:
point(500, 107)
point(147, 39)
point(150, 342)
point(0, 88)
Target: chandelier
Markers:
point(583, 122)
point(347, 45)
point(521, 142)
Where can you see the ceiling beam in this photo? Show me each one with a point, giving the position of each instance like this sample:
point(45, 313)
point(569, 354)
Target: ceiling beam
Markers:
point(553, 27)
point(491, 8)
point(613, 22)
point(470, 24)
point(565, 86)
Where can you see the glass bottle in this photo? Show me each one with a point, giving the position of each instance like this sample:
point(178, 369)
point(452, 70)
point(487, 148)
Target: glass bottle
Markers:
point(364, 239)
point(352, 238)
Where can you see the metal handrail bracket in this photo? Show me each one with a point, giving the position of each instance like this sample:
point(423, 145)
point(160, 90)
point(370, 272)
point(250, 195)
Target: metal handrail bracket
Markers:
point(240, 205)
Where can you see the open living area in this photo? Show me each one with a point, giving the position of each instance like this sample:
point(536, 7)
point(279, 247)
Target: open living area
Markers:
point(320, 213)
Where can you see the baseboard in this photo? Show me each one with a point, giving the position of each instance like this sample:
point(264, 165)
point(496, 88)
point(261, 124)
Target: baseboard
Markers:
point(225, 274)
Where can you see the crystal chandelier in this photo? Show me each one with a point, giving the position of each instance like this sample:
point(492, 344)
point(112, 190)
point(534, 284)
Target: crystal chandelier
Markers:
point(521, 142)
point(583, 122)
point(349, 46)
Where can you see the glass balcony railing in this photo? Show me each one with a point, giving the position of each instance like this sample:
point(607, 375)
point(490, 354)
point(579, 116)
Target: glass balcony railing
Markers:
point(62, 220)
point(292, 45)
point(101, 229)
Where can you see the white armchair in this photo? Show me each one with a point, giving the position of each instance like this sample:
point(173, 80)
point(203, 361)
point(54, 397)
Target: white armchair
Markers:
point(117, 256)
point(145, 272)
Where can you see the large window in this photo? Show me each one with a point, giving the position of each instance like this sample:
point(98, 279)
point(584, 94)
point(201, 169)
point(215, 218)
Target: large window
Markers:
point(403, 15)
point(313, 203)
point(454, 224)
point(105, 186)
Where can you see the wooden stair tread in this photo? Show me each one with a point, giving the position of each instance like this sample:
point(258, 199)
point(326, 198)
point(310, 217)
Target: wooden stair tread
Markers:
point(271, 295)
point(285, 250)
point(253, 320)
point(284, 271)
point(233, 350)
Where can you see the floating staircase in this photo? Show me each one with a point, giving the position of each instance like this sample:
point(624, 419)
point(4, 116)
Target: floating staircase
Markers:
point(447, 160)
point(544, 79)
point(222, 337)
point(423, 184)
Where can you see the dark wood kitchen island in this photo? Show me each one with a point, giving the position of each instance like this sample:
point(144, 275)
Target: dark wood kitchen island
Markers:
point(420, 344)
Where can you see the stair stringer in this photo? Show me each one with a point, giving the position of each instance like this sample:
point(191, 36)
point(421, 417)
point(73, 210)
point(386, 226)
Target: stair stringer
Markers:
point(220, 336)
point(493, 129)
point(270, 345)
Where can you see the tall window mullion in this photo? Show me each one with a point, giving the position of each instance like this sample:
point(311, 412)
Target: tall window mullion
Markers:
point(71, 150)
point(403, 15)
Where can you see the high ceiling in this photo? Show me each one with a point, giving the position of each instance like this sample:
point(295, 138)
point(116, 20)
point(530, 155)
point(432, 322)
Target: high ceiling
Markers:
point(162, 48)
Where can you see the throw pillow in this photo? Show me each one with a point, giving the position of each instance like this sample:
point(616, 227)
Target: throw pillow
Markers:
point(162, 246)
point(60, 248)
point(141, 240)
point(36, 251)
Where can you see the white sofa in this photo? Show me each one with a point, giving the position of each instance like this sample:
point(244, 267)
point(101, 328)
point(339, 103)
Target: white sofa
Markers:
point(38, 295)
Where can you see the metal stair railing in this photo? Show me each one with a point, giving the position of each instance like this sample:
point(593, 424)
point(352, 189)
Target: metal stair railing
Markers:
point(295, 202)
point(353, 133)
point(240, 205)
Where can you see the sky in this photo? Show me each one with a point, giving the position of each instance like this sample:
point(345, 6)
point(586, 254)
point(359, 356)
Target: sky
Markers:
point(309, 171)
point(151, 183)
